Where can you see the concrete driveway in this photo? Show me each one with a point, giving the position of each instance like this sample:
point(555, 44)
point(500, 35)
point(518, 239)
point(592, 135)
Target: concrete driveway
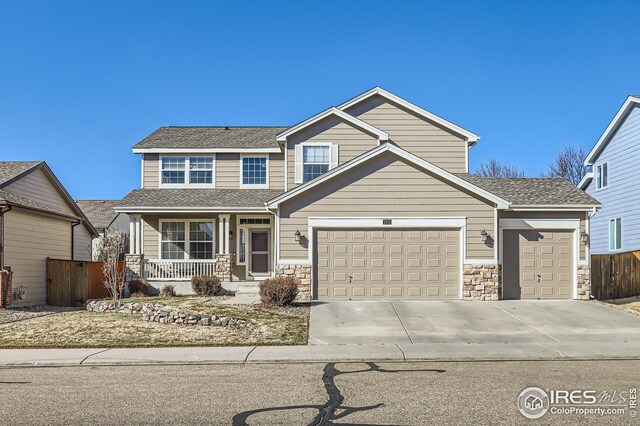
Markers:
point(521, 321)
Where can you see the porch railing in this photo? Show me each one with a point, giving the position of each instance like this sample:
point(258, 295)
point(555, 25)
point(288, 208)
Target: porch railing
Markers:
point(162, 269)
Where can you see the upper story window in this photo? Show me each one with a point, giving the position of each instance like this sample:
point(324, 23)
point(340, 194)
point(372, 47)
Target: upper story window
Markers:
point(177, 170)
point(315, 161)
point(255, 171)
point(602, 176)
point(312, 159)
point(615, 234)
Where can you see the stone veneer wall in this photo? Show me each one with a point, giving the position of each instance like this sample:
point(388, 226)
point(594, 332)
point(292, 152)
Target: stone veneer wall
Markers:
point(303, 273)
point(6, 290)
point(482, 282)
point(134, 267)
point(223, 266)
point(584, 282)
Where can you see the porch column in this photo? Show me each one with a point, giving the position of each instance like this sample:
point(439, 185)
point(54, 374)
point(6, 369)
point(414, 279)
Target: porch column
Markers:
point(132, 232)
point(135, 234)
point(223, 228)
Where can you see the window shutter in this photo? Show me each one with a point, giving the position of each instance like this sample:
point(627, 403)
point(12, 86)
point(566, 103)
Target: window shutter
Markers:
point(298, 164)
point(334, 156)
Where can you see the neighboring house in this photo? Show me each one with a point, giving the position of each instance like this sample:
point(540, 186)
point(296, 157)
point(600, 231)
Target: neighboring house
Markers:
point(38, 219)
point(611, 179)
point(371, 199)
point(104, 219)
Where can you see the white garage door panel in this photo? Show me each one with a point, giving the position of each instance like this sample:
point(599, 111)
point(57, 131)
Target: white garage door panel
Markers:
point(388, 264)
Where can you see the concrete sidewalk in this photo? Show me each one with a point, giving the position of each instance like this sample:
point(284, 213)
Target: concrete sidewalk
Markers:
point(324, 353)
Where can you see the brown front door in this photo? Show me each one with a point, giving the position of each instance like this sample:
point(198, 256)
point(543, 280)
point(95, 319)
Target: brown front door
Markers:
point(259, 251)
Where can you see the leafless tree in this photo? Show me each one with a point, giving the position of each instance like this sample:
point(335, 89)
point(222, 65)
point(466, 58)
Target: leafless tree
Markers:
point(111, 248)
point(494, 169)
point(569, 165)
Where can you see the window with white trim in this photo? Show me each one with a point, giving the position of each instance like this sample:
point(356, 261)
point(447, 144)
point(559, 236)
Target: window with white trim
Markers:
point(602, 176)
point(186, 239)
point(176, 170)
point(316, 160)
point(242, 246)
point(254, 171)
point(615, 234)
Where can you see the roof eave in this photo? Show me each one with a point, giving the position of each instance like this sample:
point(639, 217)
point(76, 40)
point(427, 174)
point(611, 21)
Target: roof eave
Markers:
point(613, 125)
point(381, 135)
point(205, 150)
point(499, 202)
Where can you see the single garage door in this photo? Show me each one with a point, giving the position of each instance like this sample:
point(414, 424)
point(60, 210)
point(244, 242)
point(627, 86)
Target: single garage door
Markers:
point(538, 264)
point(388, 264)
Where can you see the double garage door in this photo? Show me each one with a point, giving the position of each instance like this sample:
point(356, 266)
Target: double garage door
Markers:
point(388, 264)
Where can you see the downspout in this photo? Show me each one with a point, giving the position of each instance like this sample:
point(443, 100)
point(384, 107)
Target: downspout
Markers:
point(2, 212)
point(73, 226)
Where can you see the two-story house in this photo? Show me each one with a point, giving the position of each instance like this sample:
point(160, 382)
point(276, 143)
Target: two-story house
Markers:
point(610, 178)
point(369, 199)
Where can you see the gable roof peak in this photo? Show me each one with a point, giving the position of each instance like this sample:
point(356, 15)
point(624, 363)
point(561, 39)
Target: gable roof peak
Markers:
point(471, 138)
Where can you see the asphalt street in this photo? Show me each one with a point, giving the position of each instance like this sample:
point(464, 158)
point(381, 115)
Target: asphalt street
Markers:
point(300, 394)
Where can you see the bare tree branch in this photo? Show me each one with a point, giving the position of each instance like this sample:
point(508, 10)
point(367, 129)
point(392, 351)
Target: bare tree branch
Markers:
point(110, 252)
point(494, 169)
point(569, 165)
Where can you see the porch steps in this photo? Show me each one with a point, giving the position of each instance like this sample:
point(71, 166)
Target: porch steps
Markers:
point(249, 288)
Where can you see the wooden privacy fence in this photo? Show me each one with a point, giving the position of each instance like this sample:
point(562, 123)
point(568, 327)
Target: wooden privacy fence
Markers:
point(614, 276)
point(72, 282)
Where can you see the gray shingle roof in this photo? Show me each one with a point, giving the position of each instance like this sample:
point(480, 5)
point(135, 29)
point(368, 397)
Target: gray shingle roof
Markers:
point(11, 169)
point(533, 191)
point(99, 212)
point(202, 198)
point(10, 197)
point(212, 137)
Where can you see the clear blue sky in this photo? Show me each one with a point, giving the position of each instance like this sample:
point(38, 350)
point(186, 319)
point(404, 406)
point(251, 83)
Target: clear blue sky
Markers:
point(83, 81)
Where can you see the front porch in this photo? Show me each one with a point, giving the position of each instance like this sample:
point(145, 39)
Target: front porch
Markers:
point(172, 248)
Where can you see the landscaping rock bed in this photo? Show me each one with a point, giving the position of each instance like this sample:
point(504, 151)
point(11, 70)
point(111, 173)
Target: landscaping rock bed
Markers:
point(165, 314)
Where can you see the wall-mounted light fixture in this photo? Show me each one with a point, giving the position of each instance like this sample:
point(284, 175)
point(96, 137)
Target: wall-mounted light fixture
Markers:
point(585, 237)
point(483, 236)
point(296, 235)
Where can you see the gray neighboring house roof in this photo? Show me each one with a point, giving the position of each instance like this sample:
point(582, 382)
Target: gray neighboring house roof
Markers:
point(197, 198)
point(99, 212)
point(200, 137)
point(10, 170)
point(533, 191)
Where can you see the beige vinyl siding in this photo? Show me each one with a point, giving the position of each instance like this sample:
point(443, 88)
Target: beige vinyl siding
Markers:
point(29, 240)
point(151, 173)
point(413, 133)
point(228, 171)
point(38, 187)
point(150, 237)
point(82, 243)
point(276, 171)
point(351, 141)
point(386, 186)
point(553, 215)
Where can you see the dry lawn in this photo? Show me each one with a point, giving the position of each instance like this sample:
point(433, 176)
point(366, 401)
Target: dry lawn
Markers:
point(82, 329)
point(629, 304)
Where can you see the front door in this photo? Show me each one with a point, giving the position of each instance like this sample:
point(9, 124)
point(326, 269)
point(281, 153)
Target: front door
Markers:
point(259, 252)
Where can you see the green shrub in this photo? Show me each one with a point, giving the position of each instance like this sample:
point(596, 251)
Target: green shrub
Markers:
point(206, 285)
point(138, 288)
point(279, 291)
point(168, 291)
